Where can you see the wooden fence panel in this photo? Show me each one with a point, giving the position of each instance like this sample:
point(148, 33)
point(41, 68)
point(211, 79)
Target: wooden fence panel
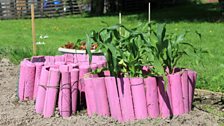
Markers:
point(21, 9)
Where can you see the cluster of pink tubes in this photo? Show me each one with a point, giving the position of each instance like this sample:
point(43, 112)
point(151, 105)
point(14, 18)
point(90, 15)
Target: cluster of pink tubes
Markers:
point(54, 81)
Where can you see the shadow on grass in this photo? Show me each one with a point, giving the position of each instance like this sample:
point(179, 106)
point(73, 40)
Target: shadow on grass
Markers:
point(189, 12)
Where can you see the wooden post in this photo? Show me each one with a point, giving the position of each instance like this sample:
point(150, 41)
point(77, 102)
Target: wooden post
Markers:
point(33, 30)
point(149, 18)
point(120, 21)
point(149, 13)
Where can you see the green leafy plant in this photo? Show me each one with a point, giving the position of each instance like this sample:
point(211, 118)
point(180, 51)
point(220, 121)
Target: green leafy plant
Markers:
point(123, 51)
point(128, 50)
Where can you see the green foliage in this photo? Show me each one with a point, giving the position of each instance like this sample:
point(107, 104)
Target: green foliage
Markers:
point(16, 55)
point(128, 50)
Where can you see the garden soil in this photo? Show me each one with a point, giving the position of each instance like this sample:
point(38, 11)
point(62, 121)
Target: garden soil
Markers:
point(16, 113)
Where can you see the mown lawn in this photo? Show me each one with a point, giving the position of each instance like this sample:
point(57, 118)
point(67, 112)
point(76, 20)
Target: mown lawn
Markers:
point(16, 35)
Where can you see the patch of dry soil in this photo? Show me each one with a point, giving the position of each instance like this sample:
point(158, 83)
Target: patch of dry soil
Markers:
point(13, 112)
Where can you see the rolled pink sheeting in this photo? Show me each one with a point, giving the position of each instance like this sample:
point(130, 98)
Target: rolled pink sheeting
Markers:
point(90, 96)
point(39, 106)
point(100, 91)
point(74, 88)
point(185, 90)
point(59, 58)
point(51, 93)
point(125, 95)
point(139, 98)
point(113, 98)
point(22, 80)
point(35, 59)
point(176, 93)
point(192, 81)
point(152, 97)
point(65, 92)
point(164, 101)
point(73, 66)
point(69, 58)
point(37, 78)
point(49, 60)
point(82, 58)
point(29, 80)
point(83, 69)
point(57, 64)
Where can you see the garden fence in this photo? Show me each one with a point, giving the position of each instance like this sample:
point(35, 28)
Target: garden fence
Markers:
point(22, 8)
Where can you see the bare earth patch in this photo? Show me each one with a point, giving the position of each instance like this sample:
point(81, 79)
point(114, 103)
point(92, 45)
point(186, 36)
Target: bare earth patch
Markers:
point(208, 110)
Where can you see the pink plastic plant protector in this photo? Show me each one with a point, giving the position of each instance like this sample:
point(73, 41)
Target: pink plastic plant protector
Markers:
point(74, 88)
point(125, 95)
point(69, 58)
point(22, 80)
point(176, 93)
point(29, 80)
point(192, 81)
point(65, 92)
point(185, 91)
point(51, 93)
point(49, 60)
point(113, 98)
point(90, 97)
point(139, 98)
point(37, 78)
point(83, 70)
point(60, 58)
point(35, 59)
point(100, 92)
point(164, 99)
point(152, 97)
point(39, 106)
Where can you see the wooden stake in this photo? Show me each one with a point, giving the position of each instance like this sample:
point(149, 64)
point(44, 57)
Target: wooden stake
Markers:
point(120, 21)
point(33, 30)
point(149, 13)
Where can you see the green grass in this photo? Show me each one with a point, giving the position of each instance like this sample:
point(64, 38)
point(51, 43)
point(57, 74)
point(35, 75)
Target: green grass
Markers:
point(16, 34)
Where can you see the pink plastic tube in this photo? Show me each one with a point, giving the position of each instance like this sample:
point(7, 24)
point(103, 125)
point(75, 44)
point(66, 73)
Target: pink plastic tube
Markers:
point(22, 80)
point(73, 66)
point(185, 90)
point(59, 58)
point(59, 64)
point(127, 106)
point(51, 94)
point(139, 98)
point(39, 106)
point(152, 97)
point(100, 91)
point(29, 81)
point(69, 58)
point(176, 93)
point(113, 98)
point(65, 93)
point(164, 101)
point(35, 59)
point(74, 88)
point(49, 60)
point(83, 69)
point(90, 97)
point(37, 78)
point(192, 81)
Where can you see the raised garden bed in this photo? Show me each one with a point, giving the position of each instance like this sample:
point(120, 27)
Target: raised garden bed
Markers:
point(135, 79)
